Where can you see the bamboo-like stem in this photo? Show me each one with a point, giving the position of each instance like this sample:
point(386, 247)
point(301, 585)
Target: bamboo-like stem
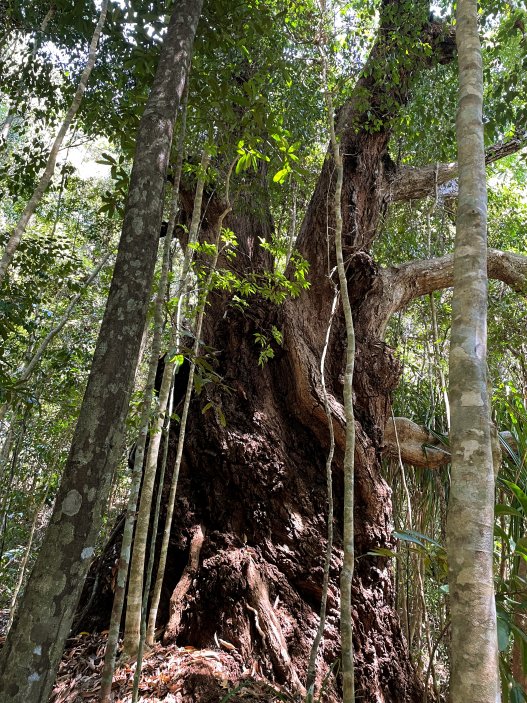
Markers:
point(137, 566)
point(149, 633)
point(184, 417)
point(150, 567)
point(168, 379)
point(311, 668)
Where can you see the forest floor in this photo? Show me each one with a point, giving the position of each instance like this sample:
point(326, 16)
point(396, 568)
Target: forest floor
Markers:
point(170, 674)
point(165, 676)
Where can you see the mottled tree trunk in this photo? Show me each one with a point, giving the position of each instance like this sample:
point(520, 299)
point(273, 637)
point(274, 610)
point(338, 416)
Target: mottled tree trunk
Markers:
point(33, 648)
point(470, 526)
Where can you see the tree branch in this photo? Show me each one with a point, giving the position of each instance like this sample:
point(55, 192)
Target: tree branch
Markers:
point(411, 183)
point(417, 446)
point(401, 284)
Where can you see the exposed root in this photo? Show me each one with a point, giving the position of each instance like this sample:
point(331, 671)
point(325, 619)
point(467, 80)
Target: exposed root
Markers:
point(177, 600)
point(170, 674)
point(269, 628)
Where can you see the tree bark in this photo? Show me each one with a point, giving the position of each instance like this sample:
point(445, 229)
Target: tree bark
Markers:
point(33, 648)
point(246, 552)
point(255, 487)
point(412, 183)
point(470, 524)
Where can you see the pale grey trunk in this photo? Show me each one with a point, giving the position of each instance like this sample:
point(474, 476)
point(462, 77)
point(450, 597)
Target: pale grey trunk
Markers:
point(128, 531)
point(348, 531)
point(474, 648)
point(32, 651)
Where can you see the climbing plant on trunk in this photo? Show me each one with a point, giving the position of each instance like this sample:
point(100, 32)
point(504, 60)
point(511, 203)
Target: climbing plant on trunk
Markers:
point(246, 552)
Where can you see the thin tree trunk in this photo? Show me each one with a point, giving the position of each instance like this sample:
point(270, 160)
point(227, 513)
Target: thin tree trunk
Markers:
point(348, 539)
point(29, 210)
point(150, 566)
point(32, 651)
point(8, 122)
point(8, 480)
point(474, 646)
point(128, 531)
point(437, 357)
point(137, 567)
point(156, 595)
point(30, 366)
point(184, 416)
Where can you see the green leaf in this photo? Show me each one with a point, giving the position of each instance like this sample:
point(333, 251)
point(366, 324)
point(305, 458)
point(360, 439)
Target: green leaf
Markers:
point(280, 176)
point(382, 552)
point(501, 509)
point(519, 493)
point(177, 360)
point(106, 159)
point(221, 417)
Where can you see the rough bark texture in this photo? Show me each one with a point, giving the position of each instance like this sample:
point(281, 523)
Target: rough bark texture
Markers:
point(256, 488)
point(470, 525)
point(246, 555)
point(32, 651)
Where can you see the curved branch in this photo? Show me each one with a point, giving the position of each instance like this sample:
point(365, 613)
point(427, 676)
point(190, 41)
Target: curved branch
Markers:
point(411, 183)
point(417, 446)
point(401, 284)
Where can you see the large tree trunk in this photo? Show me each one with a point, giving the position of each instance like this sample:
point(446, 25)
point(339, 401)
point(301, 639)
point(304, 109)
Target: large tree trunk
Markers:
point(247, 550)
